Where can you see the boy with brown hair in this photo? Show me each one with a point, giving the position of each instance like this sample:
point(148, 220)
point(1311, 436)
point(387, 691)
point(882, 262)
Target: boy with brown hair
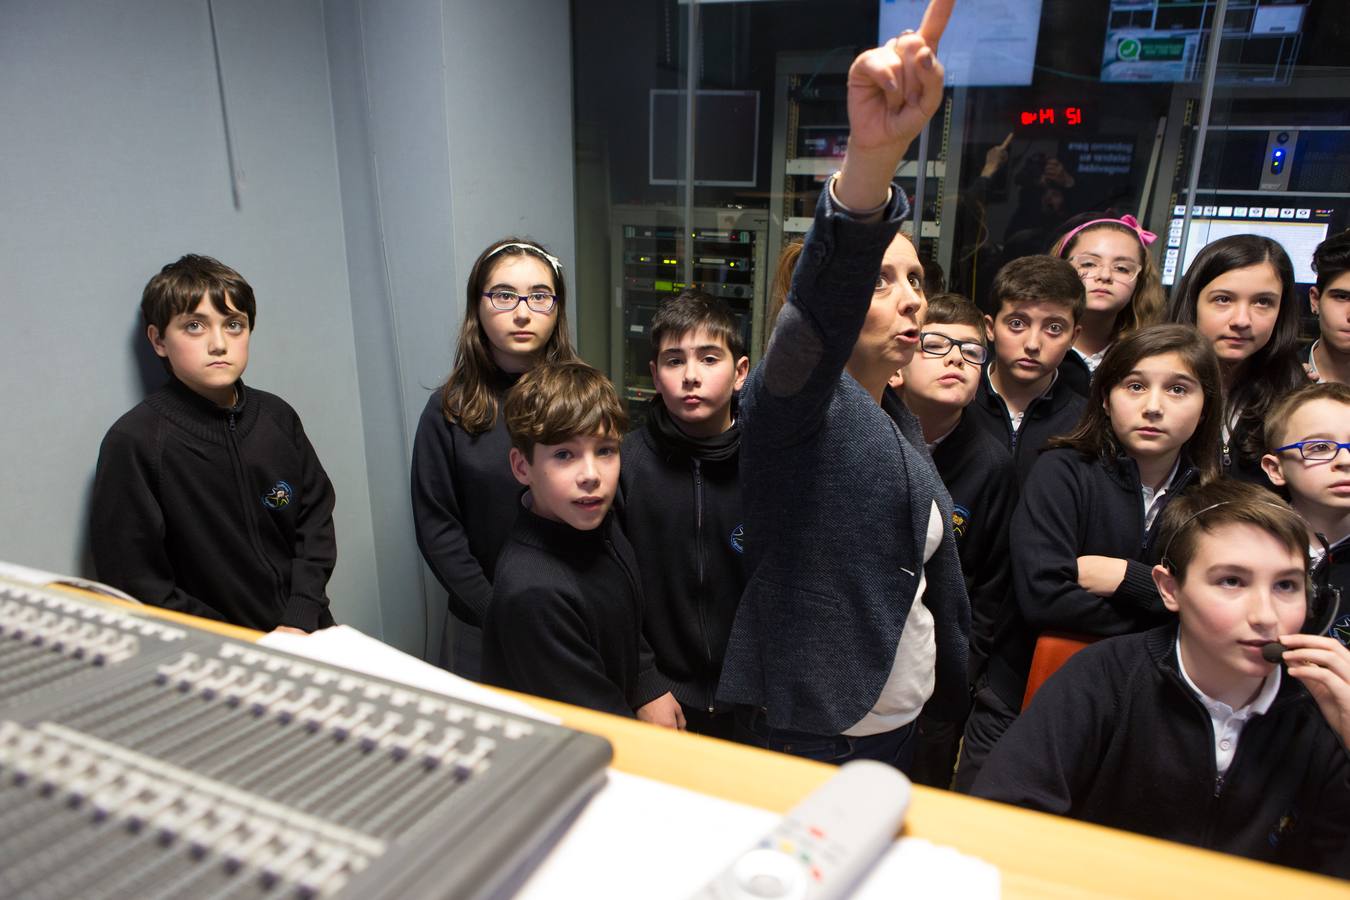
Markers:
point(682, 501)
point(565, 621)
point(1187, 732)
point(208, 497)
point(1038, 301)
point(1307, 438)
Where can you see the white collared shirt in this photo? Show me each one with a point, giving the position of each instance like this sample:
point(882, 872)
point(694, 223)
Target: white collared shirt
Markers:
point(1153, 495)
point(1091, 360)
point(1228, 722)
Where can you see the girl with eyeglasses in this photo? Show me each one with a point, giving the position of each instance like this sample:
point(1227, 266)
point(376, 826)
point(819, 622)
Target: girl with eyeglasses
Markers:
point(463, 493)
point(1124, 291)
point(1239, 293)
point(1084, 528)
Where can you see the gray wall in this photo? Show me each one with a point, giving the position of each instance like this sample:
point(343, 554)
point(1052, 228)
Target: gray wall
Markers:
point(379, 147)
point(436, 162)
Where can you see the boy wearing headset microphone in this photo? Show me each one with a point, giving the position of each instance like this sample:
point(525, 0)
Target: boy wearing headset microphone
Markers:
point(1195, 732)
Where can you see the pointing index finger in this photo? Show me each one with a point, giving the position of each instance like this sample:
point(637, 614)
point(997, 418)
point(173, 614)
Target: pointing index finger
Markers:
point(935, 21)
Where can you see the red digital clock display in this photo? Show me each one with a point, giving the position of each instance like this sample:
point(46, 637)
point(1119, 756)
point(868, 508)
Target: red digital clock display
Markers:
point(1052, 115)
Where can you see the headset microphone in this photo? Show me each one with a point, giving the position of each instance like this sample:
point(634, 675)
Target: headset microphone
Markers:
point(1273, 652)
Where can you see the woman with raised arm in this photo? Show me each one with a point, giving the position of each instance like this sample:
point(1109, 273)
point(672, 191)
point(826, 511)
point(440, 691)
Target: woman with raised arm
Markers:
point(855, 615)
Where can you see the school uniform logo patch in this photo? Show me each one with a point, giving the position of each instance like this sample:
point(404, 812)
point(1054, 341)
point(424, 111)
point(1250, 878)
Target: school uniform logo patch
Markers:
point(960, 521)
point(278, 496)
point(1340, 629)
point(737, 539)
point(1288, 822)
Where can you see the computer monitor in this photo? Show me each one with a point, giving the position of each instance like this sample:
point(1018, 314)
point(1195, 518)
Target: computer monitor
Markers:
point(987, 43)
point(1166, 40)
point(1298, 224)
point(726, 138)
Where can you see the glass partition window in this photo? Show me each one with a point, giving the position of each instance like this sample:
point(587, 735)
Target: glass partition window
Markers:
point(1054, 109)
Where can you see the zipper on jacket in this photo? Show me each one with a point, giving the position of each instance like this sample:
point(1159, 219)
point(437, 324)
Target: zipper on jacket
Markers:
point(702, 575)
point(1016, 433)
point(250, 514)
point(634, 586)
point(1182, 480)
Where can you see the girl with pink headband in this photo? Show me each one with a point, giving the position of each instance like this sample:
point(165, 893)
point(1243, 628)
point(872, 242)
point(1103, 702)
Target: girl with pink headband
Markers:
point(1123, 289)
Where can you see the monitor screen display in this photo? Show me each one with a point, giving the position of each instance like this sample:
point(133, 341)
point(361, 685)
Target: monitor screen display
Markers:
point(1298, 229)
point(726, 138)
point(1166, 40)
point(987, 42)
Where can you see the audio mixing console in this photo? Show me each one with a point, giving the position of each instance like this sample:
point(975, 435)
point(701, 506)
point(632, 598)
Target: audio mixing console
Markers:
point(145, 759)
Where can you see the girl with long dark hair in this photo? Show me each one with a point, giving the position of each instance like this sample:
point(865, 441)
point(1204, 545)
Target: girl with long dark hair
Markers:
point(1239, 293)
point(463, 493)
point(1082, 552)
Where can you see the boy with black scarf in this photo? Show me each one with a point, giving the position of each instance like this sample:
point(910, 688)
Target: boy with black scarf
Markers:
point(681, 506)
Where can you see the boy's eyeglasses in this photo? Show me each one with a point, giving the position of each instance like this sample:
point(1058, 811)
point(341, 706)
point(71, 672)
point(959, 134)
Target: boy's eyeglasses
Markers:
point(537, 301)
point(1320, 450)
point(1090, 266)
point(937, 344)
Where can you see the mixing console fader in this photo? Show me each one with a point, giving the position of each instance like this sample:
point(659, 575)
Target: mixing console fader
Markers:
point(142, 759)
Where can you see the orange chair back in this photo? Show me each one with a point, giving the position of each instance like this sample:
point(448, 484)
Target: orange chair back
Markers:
point(1053, 650)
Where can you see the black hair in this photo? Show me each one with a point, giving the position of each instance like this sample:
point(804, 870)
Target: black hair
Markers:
point(689, 312)
point(1044, 278)
point(1275, 369)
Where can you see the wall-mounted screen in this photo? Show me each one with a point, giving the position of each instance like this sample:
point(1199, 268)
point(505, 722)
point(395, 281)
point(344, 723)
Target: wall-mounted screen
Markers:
point(987, 42)
point(1165, 40)
point(726, 138)
point(1298, 224)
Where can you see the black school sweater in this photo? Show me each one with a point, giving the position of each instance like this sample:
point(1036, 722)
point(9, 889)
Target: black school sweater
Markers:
point(222, 513)
point(1075, 374)
point(681, 511)
point(464, 500)
point(565, 621)
point(982, 480)
point(1048, 416)
point(1117, 738)
point(1073, 506)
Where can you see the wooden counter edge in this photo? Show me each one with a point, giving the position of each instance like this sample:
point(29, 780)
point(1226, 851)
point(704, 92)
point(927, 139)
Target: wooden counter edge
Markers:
point(1038, 855)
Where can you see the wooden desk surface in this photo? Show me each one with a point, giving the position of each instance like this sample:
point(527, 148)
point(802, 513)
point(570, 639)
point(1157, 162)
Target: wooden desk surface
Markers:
point(1039, 855)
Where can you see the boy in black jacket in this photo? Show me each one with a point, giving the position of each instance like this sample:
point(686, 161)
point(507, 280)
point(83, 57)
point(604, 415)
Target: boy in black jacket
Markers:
point(1021, 400)
point(565, 620)
point(208, 498)
point(939, 384)
point(682, 502)
point(1307, 437)
point(1187, 733)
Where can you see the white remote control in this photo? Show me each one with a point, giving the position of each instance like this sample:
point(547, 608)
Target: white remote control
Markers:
point(823, 845)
